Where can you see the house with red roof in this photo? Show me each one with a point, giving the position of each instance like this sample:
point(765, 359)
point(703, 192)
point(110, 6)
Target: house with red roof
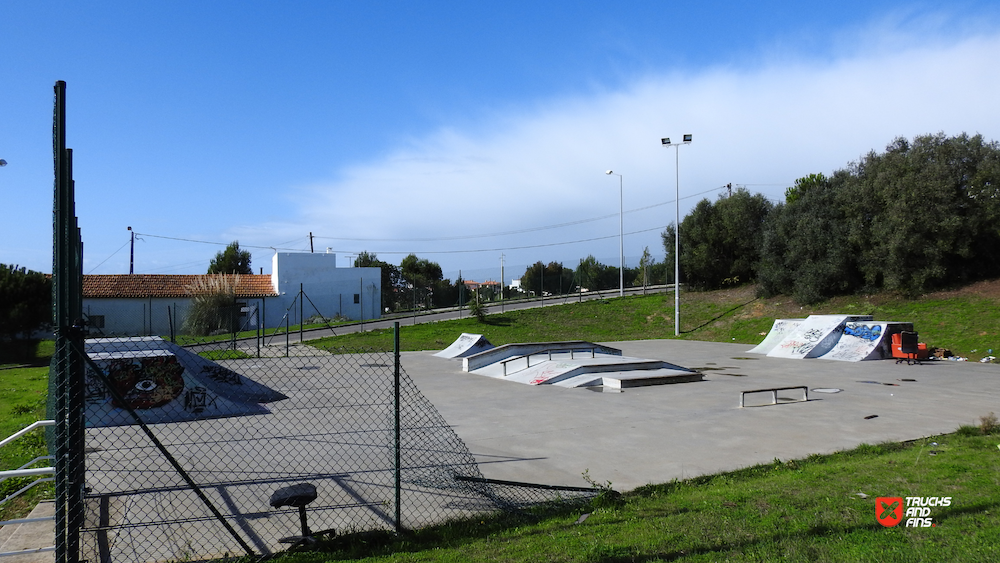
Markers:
point(300, 286)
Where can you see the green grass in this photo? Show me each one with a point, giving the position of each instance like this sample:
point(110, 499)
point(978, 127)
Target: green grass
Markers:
point(801, 510)
point(967, 325)
point(224, 355)
point(22, 402)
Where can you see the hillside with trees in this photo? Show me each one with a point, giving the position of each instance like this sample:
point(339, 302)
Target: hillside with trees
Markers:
point(921, 216)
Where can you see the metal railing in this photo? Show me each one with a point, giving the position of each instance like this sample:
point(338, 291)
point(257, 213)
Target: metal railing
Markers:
point(27, 471)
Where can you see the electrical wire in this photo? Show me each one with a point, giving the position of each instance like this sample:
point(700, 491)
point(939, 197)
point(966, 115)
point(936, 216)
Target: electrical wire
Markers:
point(108, 258)
point(466, 237)
point(520, 231)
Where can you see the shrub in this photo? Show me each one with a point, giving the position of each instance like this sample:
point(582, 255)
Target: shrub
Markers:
point(213, 308)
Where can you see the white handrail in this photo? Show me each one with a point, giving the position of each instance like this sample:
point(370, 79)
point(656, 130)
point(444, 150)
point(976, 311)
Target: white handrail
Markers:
point(26, 472)
point(30, 427)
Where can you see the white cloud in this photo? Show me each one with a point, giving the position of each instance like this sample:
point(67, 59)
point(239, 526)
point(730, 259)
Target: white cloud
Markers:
point(767, 125)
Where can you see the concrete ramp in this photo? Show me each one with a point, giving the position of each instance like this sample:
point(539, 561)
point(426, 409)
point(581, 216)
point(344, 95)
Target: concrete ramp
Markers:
point(575, 349)
point(466, 345)
point(865, 341)
point(163, 382)
point(574, 364)
point(613, 371)
point(814, 337)
point(779, 330)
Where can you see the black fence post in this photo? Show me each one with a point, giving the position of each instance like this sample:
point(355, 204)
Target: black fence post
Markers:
point(398, 476)
point(67, 318)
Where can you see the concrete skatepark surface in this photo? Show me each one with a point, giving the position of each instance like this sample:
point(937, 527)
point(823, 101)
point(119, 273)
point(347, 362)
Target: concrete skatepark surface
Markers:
point(551, 435)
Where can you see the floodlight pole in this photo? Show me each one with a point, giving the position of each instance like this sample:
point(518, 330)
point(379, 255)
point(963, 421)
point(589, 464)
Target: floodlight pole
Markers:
point(677, 228)
point(621, 233)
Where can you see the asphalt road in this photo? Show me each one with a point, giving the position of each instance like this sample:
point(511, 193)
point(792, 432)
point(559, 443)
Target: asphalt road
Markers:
point(437, 315)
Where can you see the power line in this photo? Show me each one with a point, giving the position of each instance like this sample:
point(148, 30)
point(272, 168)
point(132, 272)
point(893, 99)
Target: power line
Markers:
point(109, 257)
point(214, 242)
point(464, 237)
point(517, 232)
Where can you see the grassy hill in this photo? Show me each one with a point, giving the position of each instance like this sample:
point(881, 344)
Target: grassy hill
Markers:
point(965, 321)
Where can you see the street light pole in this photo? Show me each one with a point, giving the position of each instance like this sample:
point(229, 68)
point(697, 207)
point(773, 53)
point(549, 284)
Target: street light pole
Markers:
point(621, 233)
point(677, 228)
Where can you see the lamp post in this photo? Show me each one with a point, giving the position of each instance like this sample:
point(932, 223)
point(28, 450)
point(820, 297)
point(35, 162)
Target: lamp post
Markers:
point(677, 228)
point(621, 233)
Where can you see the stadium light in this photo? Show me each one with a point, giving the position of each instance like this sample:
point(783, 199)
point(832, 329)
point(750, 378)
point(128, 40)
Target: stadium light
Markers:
point(677, 229)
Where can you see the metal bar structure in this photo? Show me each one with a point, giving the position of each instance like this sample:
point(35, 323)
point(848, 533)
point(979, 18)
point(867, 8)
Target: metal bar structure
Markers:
point(774, 393)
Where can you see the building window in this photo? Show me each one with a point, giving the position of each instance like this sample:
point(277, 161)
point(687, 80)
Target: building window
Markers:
point(357, 298)
point(95, 321)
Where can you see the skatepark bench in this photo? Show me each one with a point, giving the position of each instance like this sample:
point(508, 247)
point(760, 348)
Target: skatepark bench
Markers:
point(774, 393)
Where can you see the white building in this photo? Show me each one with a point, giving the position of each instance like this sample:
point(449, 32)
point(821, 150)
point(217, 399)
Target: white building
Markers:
point(301, 286)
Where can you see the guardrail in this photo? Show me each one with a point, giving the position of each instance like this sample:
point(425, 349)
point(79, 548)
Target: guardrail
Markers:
point(24, 471)
point(527, 357)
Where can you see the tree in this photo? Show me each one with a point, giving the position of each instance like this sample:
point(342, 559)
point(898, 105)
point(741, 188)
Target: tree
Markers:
point(923, 215)
point(669, 236)
point(25, 301)
point(478, 309)
point(806, 249)
point(427, 281)
point(646, 263)
point(720, 241)
point(420, 271)
point(553, 279)
point(803, 185)
point(232, 260)
point(392, 279)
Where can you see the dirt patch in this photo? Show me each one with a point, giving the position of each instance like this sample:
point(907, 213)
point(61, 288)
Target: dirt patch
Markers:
point(987, 289)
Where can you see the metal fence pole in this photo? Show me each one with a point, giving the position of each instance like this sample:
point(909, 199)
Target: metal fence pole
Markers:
point(398, 476)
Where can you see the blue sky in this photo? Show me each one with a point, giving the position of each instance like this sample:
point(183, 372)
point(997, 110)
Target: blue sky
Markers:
point(455, 130)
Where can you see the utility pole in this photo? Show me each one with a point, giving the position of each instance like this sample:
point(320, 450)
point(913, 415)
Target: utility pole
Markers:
point(311, 242)
point(131, 253)
point(729, 187)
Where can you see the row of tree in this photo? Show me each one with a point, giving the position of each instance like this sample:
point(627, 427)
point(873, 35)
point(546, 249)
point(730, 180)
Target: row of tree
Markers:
point(420, 283)
point(25, 301)
point(923, 215)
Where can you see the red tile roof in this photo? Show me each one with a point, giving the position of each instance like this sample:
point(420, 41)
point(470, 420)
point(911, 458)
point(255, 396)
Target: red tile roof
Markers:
point(162, 285)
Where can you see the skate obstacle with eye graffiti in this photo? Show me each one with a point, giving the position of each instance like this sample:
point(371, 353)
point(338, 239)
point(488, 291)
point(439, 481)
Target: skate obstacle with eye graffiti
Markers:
point(163, 382)
point(847, 338)
point(572, 363)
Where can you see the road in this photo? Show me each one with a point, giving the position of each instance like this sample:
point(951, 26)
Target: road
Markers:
point(451, 313)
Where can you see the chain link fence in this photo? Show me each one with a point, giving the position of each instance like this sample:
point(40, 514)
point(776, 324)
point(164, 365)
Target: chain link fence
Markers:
point(200, 448)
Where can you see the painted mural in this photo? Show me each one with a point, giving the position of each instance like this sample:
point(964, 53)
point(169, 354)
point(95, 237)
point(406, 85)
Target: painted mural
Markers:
point(163, 382)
